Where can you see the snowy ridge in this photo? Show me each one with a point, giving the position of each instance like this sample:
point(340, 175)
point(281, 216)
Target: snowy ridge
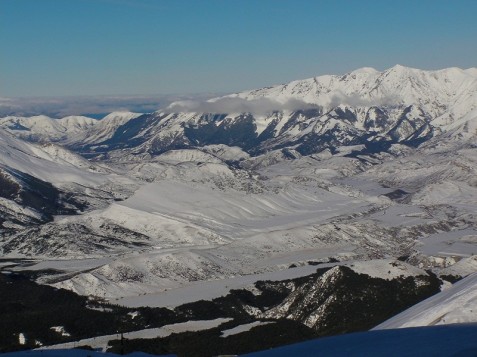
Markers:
point(47, 162)
point(43, 128)
point(457, 304)
point(367, 87)
point(39, 181)
point(103, 129)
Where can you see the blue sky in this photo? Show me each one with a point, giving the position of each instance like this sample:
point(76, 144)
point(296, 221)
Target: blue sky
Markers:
point(143, 47)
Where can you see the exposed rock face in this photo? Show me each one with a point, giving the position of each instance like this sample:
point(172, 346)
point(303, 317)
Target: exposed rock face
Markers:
point(341, 300)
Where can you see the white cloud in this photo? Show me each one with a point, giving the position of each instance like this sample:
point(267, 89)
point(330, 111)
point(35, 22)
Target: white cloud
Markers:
point(239, 105)
point(59, 107)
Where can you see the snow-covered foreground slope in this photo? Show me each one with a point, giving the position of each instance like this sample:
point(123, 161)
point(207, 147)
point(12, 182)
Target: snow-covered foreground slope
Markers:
point(457, 304)
point(454, 340)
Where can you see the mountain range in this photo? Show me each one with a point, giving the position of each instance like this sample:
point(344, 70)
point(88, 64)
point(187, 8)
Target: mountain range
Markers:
point(399, 105)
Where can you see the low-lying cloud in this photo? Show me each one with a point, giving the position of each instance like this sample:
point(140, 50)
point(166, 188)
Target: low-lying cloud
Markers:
point(59, 107)
point(259, 106)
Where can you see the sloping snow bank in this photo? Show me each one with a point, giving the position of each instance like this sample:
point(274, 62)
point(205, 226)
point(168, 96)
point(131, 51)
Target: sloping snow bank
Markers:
point(457, 304)
point(452, 340)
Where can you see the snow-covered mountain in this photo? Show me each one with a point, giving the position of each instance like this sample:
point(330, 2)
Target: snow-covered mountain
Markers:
point(48, 162)
point(103, 129)
point(365, 106)
point(39, 181)
point(435, 91)
point(43, 128)
point(398, 105)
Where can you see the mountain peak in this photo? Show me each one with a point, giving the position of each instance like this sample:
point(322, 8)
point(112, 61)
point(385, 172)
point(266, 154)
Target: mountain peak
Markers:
point(121, 114)
point(400, 69)
point(398, 66)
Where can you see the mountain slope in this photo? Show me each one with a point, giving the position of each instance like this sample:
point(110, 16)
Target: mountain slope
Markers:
point(433, 91)
point(41, 181)
point(47, 162)
point(103, 129)
point(454, 340)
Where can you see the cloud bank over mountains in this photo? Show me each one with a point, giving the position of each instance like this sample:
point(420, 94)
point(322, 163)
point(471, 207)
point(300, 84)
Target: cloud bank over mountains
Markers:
point(262, 106)
point(259, 106)
point(59, 107)
point(96, 106)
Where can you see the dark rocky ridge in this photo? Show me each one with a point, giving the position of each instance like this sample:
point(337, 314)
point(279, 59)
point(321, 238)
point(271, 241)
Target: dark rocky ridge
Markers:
point(359, 302)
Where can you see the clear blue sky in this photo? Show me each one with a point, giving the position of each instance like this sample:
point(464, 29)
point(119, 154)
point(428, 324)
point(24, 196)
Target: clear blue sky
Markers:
point(91, 47)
